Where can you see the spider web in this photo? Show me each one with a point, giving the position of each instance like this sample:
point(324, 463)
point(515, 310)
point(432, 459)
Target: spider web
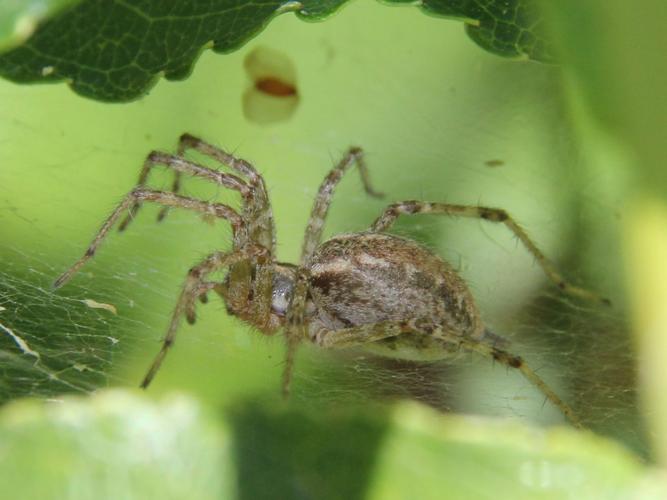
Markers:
point(76, 339)
point(55, 196)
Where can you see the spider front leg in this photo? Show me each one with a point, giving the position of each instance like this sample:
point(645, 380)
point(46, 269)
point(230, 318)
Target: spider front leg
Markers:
point(181, 165)
point(192, 288)
point(295, 331)
point(393, 211)
point(139, 195)
point(202, 294)
point(175, 183)
point(361, 336)
point(258, 211)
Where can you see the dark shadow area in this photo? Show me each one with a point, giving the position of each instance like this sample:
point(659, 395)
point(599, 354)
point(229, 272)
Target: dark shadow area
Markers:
point(295, 453)
point(427, 382)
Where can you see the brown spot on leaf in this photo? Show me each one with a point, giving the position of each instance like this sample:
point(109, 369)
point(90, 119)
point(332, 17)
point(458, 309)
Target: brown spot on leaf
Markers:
point(273, 95)
point(494, 163)
point(275, 87)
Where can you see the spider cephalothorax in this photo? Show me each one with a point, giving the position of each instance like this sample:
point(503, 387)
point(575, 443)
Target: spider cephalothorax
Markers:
point(369, 289)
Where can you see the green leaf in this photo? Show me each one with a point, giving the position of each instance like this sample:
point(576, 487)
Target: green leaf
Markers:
point(509, 28)
point(412, 451)
point(116, 51)
point(113, 445)
point(118, 444)
point(618, 85)
point(610, 55)
point(490, 458)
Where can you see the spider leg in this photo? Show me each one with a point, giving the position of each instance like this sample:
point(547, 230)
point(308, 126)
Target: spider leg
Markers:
point(164, 198)
point(175, 188)
point(207, 287)
point(238, 293)
point(175, 185)
point(517, 362)
point(202, 293)
point(181, 165)
point(292, 343)
point(258, 213)
point(215, 286)
point(187, 141)
point(295, 330)
point(320, 208)
point(262, 292)
point(364, 334)
point(191, 289)
point(393, 211)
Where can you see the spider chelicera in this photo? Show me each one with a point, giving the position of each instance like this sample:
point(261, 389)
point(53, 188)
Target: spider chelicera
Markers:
point(370, 289)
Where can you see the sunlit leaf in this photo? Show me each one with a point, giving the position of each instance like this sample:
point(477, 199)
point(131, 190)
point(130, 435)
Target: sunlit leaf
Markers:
point(122, 445)
point(113, 445)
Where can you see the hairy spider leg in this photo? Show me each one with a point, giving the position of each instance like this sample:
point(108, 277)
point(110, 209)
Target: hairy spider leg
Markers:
point(249, 195)
point(295, 328)
point(176, 183)
point(163, 198)
point(258, 216)
point(318, 214)
point(412, 207)
point(179, 164)
point(295, 331)
point(202, 293)
point(258, 212)
point(364, 334)
point(191, 289)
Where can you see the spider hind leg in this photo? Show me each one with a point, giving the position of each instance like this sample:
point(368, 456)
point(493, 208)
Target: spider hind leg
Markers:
point(361, 336)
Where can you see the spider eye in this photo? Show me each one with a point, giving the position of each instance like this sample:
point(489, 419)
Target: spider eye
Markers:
point(282, 294)
point(279, 303)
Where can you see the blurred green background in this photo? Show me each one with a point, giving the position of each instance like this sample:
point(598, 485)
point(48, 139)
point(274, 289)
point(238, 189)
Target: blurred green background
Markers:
point(440, 120)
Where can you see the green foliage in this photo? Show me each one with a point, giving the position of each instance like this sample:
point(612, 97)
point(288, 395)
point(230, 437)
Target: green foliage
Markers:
point(113, 445)
point(116, 51)
point(121, 445)
point(614, 57)
point(430, 133)
point(509, 28)
point(618, 76)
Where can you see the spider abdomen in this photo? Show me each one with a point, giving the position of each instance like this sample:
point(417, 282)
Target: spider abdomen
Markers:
point(365, 278)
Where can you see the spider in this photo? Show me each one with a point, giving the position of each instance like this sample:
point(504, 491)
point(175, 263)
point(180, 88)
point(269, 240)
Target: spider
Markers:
point(369, 289)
